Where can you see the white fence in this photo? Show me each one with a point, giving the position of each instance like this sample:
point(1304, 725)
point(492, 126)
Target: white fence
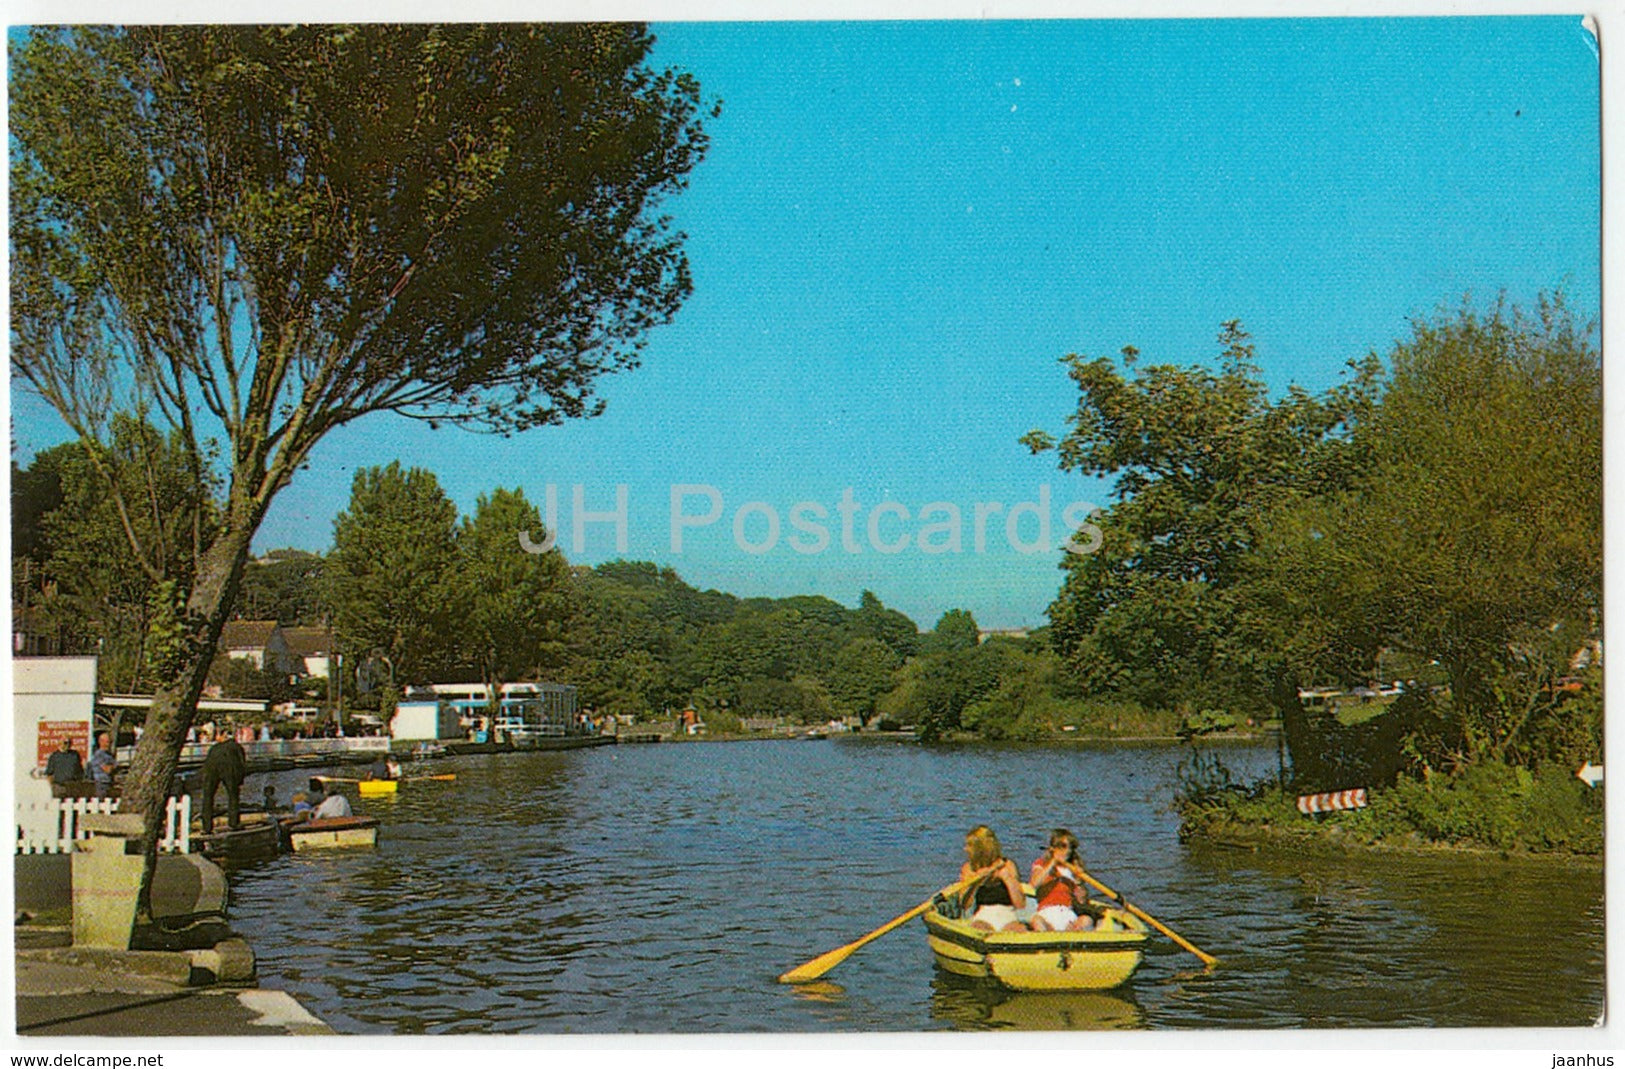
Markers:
point(52, 827)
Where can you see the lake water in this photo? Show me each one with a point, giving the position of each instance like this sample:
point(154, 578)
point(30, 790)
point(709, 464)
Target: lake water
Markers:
point(663, 888)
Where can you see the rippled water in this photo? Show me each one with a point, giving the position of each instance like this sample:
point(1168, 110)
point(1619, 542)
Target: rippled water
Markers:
point(663, 888)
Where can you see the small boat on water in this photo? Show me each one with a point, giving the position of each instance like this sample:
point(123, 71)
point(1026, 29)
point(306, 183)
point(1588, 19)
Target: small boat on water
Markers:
point(254, 840)
point(427, 751)
point(369, 788)
point(1096, 960)
point(332, 833)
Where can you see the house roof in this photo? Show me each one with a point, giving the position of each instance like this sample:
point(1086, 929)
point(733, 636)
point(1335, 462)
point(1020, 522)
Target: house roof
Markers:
point(308, 641)
point(247, 634)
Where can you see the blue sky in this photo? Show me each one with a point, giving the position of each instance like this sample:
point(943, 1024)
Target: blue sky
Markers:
point(901, 227)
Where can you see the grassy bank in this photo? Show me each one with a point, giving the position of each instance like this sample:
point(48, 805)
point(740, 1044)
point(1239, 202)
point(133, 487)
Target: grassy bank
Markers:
point(1489, 807)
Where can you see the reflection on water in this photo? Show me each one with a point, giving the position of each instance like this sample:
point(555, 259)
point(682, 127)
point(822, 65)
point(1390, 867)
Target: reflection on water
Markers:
point(664, 888)
point(965, 1003)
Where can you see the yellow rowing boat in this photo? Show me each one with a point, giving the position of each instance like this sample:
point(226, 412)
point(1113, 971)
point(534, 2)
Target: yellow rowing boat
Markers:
point(1101, 958)
point(373, 787)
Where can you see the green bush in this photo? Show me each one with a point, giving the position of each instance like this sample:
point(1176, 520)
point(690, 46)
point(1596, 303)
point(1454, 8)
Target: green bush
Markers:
point(1491, 804)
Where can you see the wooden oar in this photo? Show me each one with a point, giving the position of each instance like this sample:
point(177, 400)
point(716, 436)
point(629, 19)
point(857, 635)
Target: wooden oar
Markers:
point(823, 963)
point(1207, 959)
point(444, 776)
point(335, 779)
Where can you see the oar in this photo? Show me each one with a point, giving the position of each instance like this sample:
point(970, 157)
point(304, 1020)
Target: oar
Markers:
point(823, 963)
point(1207, 959)
point(335, 779)
point(445, 776)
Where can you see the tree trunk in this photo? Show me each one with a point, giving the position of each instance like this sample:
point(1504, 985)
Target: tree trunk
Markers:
point(174, 704)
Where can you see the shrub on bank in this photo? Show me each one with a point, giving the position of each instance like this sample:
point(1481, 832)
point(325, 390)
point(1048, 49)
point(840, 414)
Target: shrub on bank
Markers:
point(1490, 805)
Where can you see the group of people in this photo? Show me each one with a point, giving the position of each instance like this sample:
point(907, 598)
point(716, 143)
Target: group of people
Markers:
point(993, 896)
point(66, 769)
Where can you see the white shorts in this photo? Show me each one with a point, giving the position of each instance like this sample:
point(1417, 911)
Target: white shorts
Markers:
point(998, 916)
point(1059, 918)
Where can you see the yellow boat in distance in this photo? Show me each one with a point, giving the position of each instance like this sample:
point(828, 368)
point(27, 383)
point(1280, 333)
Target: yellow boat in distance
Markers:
point(374, 787)
point(1096, 960)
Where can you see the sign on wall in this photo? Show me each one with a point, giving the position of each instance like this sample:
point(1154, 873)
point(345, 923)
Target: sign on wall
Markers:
point(52, 732)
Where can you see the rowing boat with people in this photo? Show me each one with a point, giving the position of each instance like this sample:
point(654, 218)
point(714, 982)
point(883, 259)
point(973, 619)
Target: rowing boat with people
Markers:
point(1095, 959)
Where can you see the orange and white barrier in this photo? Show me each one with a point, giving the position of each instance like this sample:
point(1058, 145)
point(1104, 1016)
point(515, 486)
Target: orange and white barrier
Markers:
point(1332, 801)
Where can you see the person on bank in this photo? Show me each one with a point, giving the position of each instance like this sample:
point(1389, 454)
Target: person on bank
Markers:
point(102, 763)
point(1058, 884)
point(224, 765)
point(995, 893)
point(332, 805)
point(64, 769)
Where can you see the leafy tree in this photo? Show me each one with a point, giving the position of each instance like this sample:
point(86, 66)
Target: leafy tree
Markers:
point(513, 607)
point(955, 630)
point(1473, 538)
point(859, 674)
point(1200, 459)
point(100, 597)
point(1023, 705)
point(36, 492)
point(267, 232)
point(896, 630)
point(387, 581)
point(285, 585)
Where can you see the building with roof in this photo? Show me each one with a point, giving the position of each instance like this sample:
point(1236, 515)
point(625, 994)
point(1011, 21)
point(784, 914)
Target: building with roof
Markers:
point(312, 648)
point(260, 642)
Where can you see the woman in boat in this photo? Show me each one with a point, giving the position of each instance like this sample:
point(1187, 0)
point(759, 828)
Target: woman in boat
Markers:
point(996, 892)
point(1058, 883)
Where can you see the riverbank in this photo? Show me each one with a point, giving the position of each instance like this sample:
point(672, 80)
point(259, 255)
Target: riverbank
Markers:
point(1330, 839)
point(1488, 811)
point(193, 976)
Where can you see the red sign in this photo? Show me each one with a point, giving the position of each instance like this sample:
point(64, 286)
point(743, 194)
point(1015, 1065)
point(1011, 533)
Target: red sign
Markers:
point(52, 732)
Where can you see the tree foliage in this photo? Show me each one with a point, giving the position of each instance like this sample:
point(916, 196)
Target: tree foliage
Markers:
point(1201, 458)
point(1473, 536)
point(388, 579)
point(512, 608)
point(1444, 507)
point(261, 234)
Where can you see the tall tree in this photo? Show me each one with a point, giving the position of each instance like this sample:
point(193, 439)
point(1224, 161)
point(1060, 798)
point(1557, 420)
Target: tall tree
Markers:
point(955, 630)
point(900, 634)
point(860, 672)
point(388, 581)
point(1474, 535)
point(265, 233)
point(1200, 457)
point(513, 607)
point(104, 598)
point(284, 585)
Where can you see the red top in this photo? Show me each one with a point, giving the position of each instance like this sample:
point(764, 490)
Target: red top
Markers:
point(1060, 891)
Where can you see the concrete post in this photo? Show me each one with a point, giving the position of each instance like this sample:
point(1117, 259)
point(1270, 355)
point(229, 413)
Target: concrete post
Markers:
point(106, 881)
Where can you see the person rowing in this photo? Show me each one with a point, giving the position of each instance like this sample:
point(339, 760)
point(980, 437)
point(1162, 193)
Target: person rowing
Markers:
point(995, 888)
point(1057, 879)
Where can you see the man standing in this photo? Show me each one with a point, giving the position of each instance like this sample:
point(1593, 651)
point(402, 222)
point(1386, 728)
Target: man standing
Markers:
point(64, 768)
point(102, 763)
point(225, 765)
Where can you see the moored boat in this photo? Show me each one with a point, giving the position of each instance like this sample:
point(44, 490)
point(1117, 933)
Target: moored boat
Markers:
point(1096, 960)
point(332, 833)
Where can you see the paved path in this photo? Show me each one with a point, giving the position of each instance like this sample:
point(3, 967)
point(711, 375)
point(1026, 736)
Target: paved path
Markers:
point(57, 998)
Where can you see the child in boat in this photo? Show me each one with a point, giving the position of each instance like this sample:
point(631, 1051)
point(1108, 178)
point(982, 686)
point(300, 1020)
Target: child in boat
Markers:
point(1058, 882)
point(997, 894)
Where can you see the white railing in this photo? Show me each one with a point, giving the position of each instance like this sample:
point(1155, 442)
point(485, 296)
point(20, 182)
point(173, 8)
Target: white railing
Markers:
point(52, 827)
